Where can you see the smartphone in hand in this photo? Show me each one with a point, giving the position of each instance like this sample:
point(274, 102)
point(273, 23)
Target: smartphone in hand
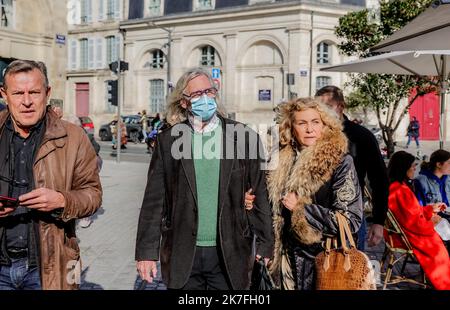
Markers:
point(8, 202)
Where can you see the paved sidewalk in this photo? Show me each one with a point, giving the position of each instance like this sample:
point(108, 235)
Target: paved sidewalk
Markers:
point(107, 245)
point(426, 147)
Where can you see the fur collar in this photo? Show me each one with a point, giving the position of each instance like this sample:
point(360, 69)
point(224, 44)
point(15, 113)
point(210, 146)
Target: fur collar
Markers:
point(313, 167)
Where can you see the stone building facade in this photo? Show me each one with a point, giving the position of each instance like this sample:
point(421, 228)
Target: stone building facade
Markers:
point(36, 30)
point(94, 42)
point(260, 51)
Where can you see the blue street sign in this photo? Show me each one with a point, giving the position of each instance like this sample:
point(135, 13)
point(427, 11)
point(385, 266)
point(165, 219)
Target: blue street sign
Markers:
point(60, 39)
point(265, 95)
point(215, 73)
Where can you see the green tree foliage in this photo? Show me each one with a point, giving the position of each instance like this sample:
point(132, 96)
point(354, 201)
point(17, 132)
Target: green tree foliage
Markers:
point(361, 30)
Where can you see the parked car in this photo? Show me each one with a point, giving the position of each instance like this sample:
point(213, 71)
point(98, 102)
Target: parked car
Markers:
point(133, 125)
point(87, 124)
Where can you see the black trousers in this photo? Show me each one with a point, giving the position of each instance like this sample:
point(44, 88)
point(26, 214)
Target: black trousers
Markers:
point(208, 271)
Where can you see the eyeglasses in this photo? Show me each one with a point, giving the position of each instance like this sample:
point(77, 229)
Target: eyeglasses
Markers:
point(210, 92)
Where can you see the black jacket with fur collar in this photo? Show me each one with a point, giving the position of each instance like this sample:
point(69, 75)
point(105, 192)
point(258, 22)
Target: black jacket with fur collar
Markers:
point(325, 180)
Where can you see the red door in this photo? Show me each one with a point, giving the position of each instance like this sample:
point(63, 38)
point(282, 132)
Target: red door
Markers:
point(426, 110)
point(82, 99)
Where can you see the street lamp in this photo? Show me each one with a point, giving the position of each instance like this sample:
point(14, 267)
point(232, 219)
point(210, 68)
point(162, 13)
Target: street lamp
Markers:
point(169, 45)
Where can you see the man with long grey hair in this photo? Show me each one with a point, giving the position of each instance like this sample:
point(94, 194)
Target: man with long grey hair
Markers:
point(193, 218)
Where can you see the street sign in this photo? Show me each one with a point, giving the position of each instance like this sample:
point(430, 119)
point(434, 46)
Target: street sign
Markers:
point(60, 39)
point(215, 73)
point(304, 72)
point(265, 95)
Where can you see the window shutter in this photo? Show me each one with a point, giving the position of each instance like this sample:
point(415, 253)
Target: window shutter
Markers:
point(117, 9)
point(101, 10)
point(89, 11)
point(99, 53)
point(71, 12)
point(91, 59)
point(118, 44)
point(73, 54)
point(114, 50)
point(77, 13)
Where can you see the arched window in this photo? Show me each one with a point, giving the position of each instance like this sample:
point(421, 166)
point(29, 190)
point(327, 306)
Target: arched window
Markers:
point(157, 59)
point(322, 81)
point(323, 53)
point(208, 56)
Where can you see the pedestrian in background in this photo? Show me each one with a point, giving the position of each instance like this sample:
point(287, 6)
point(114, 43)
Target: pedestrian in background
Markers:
point(114, 132)
point(48, 165)
point(144, 124)
point(155, 122)
point(364, 149)
point(418, 222)
point(193, 218)
point(413, 131)
point(433, 184)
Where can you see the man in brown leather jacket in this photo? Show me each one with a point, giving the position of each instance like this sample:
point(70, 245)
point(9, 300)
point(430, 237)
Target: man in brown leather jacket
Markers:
point(50, 167)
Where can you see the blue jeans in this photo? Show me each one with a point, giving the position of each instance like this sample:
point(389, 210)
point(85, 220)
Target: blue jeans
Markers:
point(362, 235)
point(415, 138)
point(19, 276)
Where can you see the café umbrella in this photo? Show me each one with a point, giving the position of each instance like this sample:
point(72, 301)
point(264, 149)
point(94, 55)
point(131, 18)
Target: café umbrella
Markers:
point(429, 31)
point(420, 63)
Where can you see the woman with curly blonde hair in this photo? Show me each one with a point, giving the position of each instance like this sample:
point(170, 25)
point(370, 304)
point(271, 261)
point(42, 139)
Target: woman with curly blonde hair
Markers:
point(314, 178)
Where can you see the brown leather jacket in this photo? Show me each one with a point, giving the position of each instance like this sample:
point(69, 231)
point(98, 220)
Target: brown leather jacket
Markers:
point(65, 162)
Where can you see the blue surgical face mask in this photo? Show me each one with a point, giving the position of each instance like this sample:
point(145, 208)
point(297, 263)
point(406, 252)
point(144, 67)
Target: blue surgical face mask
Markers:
point(204, 107)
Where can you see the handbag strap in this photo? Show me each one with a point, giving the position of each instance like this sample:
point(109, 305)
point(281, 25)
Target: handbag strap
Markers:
point(345, 231)
point(326, 262)
point(344, 235)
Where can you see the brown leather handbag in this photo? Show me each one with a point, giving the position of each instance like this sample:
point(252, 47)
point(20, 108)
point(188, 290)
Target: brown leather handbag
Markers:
point(344, 267)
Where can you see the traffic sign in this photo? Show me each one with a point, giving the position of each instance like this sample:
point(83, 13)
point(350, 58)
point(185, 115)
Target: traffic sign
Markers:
point(216, 73)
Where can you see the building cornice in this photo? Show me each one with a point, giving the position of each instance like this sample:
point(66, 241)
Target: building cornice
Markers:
point(239, 12)
point(97, 27)
point(26, 37)
point(88, 73)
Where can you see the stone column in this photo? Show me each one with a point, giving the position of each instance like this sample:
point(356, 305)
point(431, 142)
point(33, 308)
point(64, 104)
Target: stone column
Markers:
point(229, 77)
point(293, 61)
